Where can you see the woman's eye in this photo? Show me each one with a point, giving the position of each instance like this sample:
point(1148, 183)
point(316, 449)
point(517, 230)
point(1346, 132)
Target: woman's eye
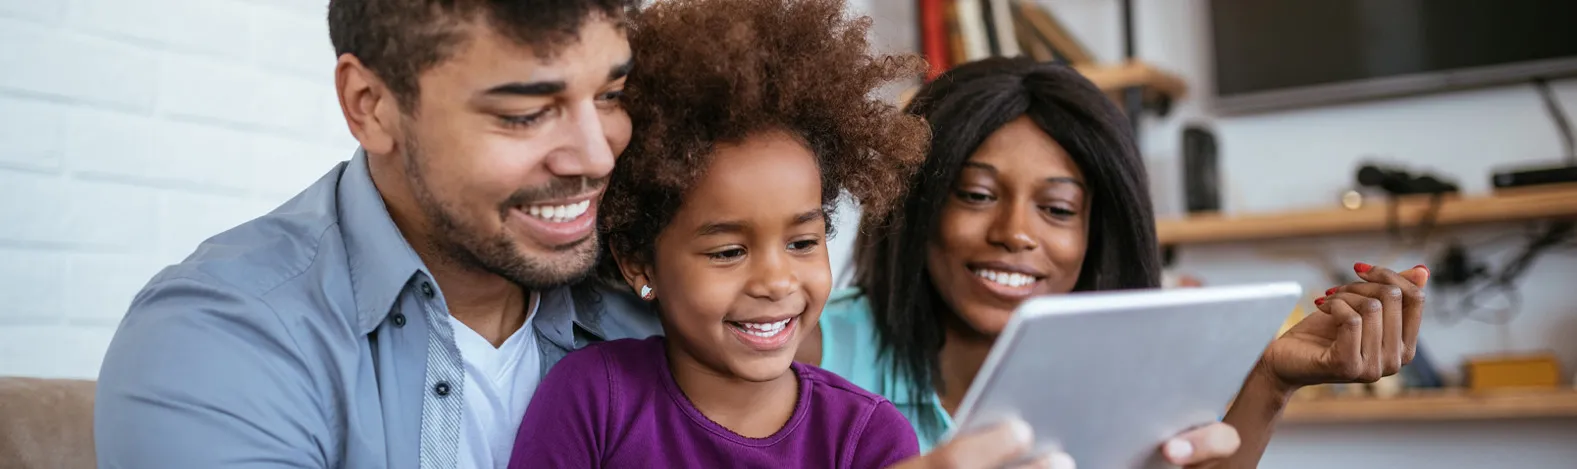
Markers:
point(726, 255)
point(1059, 211)
point(974, 197)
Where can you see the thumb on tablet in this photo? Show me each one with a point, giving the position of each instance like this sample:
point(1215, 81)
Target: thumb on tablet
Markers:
point(996, 447)
point(1204, 444)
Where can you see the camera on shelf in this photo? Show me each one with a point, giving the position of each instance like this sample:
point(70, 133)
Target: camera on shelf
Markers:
point(1396, 181)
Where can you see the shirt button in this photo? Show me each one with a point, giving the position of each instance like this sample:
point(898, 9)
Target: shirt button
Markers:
point(441, 389)
point(427, 289)
point(399, 320)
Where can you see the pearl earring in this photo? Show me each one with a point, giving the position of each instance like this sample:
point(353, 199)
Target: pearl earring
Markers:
point(646, 292)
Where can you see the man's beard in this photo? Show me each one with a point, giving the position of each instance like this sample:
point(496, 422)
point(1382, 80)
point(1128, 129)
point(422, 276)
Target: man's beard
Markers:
point(470, 247)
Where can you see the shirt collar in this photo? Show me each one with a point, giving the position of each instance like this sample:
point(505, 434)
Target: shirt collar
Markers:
point(381, 261)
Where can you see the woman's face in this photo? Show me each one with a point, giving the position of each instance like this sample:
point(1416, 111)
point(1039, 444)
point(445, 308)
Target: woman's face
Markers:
point(1014, 227)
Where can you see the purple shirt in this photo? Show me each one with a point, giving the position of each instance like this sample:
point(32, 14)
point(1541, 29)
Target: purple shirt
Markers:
point(615, 404)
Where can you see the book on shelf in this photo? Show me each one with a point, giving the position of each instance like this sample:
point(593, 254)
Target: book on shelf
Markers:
point(933, 36)
point(1046, 29)
point(972, 28)
point(999, 16)
point(958, 31)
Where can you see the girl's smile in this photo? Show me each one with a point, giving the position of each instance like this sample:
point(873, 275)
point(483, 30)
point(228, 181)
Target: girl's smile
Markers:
point(765, 335)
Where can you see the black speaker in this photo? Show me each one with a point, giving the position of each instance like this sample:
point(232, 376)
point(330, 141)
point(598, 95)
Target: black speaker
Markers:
point(1534, 176)
point(1201, 180)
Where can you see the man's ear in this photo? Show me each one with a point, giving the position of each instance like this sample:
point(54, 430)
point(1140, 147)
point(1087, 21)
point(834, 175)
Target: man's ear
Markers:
point(637, 273)
point(370, 108)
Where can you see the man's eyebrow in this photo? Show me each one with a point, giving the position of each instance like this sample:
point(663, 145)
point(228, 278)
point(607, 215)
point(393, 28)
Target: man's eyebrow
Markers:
point(534, 89)
point(549, 88)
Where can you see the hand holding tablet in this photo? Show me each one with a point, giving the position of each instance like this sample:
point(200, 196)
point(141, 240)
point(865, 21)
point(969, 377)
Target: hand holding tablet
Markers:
point(1145, 366)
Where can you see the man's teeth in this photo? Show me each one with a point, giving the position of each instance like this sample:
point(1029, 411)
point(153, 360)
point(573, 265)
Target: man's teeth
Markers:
point(1005, 278)
point(559, 213)
point(763, 329)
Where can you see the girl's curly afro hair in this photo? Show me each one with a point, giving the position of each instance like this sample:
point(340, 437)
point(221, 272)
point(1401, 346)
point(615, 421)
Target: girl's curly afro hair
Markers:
point(719, 71)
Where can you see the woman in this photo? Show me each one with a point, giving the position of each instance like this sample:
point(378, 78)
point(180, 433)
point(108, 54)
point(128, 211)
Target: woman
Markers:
point(1033, 186)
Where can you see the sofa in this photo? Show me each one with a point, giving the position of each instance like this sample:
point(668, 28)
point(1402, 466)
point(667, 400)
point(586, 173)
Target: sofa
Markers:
point(46, 423)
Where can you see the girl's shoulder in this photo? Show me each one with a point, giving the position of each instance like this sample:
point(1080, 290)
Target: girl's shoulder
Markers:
point(614, 360)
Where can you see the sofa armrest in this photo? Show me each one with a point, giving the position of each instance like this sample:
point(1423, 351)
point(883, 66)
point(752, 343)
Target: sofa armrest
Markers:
point(46, 423)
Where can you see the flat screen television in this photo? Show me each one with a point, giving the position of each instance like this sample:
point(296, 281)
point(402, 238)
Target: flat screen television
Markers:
point(1277, 54)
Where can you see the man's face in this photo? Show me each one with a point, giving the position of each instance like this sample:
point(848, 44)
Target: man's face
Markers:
point(508, 152)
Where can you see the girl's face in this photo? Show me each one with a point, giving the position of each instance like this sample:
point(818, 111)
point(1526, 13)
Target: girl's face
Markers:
point(1014, 227)
point(741, 272)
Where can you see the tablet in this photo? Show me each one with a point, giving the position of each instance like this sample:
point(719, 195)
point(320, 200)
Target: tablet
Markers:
point(1109, 377)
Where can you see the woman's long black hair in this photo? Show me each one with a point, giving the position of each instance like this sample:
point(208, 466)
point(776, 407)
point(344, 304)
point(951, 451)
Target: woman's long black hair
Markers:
point(963, 107)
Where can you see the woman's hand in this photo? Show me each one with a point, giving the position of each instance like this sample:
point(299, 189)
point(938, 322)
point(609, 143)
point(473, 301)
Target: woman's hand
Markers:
point(994, 448)
point(1010, 441)
point(1364, 331)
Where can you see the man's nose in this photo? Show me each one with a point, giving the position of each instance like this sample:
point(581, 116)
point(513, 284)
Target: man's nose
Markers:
point(587, 153)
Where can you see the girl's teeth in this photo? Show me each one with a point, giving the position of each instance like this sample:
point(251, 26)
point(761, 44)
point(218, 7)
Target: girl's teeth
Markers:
point(1005, 278)
point(763, 329)
point(559, 213)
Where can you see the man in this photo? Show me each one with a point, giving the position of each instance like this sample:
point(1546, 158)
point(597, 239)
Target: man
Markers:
point(399, 312)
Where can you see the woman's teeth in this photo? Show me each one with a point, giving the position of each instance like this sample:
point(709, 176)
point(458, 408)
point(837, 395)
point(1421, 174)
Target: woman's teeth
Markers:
point(762, 329)
point(1005, 278)
point(559, 213)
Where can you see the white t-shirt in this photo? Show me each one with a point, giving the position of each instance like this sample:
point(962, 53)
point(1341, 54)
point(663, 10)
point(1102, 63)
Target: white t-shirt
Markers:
point(499, 383)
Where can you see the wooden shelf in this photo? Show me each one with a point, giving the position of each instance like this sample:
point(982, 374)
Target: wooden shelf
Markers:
point(1435, 406)
point(1505, 205)
point(1115, 78)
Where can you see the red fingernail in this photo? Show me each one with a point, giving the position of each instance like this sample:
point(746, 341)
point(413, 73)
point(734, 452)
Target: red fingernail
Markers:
point(1422, 267)
point(1362, 268)
point(1319, 301)
point(1329, 292)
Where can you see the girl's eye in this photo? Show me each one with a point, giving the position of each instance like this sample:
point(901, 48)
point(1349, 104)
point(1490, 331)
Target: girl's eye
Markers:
point(974, 197)
point(803, 245)
point(726, 255)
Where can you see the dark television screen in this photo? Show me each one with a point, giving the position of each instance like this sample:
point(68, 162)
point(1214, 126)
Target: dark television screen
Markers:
point(1278, 53)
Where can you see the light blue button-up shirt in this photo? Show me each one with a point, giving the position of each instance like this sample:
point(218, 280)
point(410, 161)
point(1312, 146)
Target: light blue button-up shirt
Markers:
point(312, 337)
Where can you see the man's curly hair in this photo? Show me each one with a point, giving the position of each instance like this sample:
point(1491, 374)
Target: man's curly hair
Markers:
point(719, 71)
point(400, 39)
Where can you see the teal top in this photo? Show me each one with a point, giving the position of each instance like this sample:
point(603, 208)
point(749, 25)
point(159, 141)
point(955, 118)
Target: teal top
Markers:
point(849, 348)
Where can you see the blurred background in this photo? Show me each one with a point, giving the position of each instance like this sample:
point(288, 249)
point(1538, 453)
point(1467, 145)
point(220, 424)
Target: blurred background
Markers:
point(132, 130)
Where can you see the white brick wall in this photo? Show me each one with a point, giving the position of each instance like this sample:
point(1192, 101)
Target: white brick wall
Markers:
point(129, 132)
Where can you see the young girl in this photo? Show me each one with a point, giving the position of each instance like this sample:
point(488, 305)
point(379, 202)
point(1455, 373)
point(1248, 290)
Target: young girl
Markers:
point(751, 118)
